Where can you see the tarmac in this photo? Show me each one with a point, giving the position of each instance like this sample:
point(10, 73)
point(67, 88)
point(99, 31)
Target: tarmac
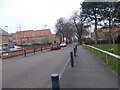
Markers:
point(88, 72)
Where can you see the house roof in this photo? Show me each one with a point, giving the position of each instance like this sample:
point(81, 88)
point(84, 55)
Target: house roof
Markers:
point(56, 36)
point(32, 33)
point(115, 27)
point(103, 30)
point(4, 33)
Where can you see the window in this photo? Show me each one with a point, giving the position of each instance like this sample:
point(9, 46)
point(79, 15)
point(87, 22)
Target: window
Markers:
point(24, 35)
point(33, 35)
point(42, 34)
point(14, 42)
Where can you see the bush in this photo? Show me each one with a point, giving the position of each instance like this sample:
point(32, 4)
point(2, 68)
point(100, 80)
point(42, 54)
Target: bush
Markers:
point(87, 41)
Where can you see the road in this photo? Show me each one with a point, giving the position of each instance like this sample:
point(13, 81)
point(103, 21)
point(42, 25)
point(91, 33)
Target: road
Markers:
point(34, 71)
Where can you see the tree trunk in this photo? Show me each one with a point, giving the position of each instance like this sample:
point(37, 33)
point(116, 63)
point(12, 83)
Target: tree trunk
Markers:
point(79, 35)
point(95, 30)
point(66, 40)
point(79, 39)
point(60, 38)
point(63, 38)
point(110, 36)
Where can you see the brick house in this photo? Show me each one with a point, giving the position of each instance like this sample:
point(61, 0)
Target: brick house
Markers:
point(56, 38)
point(32, 37)
point(103, 34)
point(4, 38)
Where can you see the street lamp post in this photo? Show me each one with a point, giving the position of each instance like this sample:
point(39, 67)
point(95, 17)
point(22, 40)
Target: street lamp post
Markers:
point(45, 26)
point(7, 28)
point(7, 35)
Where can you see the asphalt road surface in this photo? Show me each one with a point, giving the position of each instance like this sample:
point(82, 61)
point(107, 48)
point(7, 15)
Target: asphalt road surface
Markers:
point(34, 71)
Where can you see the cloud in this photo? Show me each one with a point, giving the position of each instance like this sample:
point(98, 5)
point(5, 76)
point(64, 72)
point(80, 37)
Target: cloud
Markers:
point(34, 14)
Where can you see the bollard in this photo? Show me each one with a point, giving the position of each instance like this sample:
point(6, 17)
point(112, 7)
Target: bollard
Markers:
point(34, 50)
point(24, 52)
point(76, 47)
point(55, 81)
point(41, 48)
point(71, 58)
point(74, 52)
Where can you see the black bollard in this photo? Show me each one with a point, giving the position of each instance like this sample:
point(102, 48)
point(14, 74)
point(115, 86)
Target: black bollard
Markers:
point(74, 52)
point(71, 58)
point(55, 81)
point(41, 48)
point(76, 47)
point(34, 50)
point(24, 52)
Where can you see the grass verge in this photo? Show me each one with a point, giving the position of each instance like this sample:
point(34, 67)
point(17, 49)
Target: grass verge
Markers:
point(112, 62)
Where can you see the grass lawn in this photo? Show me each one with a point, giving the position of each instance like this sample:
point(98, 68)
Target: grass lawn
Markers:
point(114, 64)
point(109, 46)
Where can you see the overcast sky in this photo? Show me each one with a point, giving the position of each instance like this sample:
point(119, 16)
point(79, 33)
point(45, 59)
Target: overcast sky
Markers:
point(34, 14)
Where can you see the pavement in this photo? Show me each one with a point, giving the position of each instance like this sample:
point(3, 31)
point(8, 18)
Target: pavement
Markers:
point(88, 72)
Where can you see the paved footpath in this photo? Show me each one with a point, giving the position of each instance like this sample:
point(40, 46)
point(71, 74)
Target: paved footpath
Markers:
point(88, 72)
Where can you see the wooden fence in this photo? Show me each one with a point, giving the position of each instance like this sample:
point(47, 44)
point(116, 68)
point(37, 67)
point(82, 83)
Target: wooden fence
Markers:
point(25, 51)
point(110, 59)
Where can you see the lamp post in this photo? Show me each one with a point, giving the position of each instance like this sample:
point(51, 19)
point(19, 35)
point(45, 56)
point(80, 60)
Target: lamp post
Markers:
point(7, 35)
point(45, 26)
point(7, 28)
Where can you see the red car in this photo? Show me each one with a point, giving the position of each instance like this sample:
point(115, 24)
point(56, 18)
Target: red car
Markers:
point(55, 46)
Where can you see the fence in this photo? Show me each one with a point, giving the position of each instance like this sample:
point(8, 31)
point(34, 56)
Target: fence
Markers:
point(25, 51)
point(110, 59)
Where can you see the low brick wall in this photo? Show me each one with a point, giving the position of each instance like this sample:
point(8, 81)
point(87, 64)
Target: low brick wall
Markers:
point(26, 50)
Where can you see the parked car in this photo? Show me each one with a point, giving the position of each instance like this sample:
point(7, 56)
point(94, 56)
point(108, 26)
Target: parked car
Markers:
point(13, 48)
point(63, 44)
point(55, 46)
point(2, 53)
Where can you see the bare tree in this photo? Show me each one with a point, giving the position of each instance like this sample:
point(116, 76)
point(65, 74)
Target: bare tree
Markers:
point(60, 28)
point(80, 26)
point(64, 29)
point(69, 31)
